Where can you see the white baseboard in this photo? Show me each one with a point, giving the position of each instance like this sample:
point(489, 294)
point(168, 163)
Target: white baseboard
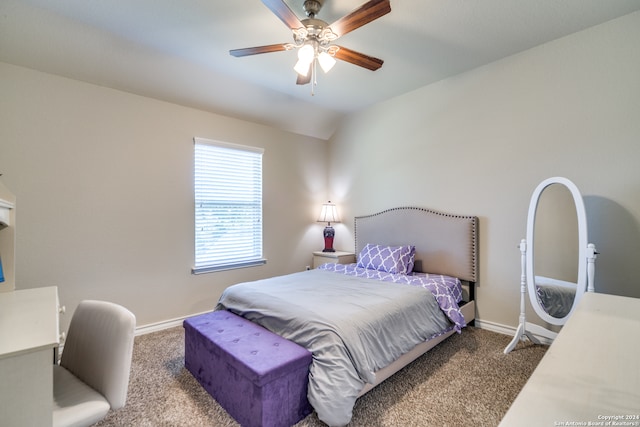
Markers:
point(495, 327)
point(482, 324)
point(507, 330)
point(165, 324)
point(152, 327)
point(171, 323)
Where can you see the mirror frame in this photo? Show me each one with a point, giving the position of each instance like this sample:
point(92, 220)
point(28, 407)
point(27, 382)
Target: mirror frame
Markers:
point(581, 284)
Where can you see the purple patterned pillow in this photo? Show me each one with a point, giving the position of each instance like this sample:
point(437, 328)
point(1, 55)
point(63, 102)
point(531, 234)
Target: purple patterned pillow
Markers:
point(390, 259)
point(409, 258)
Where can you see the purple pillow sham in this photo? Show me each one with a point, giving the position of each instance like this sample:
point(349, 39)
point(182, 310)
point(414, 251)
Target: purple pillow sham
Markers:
point(390, 259)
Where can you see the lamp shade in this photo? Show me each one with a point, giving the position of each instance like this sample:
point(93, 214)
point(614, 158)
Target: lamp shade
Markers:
point(329, 213)
point(306, 53)
point(302, 67)
point(326, 61)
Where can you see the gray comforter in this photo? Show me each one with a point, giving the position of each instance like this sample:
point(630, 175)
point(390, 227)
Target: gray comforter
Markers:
point(353, 326)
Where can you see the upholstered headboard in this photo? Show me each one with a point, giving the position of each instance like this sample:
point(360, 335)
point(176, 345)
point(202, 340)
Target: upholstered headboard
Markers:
point(445, 243)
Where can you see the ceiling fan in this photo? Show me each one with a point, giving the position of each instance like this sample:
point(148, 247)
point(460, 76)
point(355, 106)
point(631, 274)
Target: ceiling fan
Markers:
point(314, 37)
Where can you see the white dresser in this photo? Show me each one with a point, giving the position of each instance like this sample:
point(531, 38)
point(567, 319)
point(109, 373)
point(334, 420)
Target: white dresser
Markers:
point(590, 375)
point(29, 335)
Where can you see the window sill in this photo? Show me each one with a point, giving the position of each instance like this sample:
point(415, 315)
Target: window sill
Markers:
point(232, 266)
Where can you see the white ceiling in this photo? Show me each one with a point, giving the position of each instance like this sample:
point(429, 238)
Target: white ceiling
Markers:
point(177, 50)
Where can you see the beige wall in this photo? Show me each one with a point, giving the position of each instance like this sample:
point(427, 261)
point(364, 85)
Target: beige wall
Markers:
point(479, 143)
point(104, 188)
point(103, 182)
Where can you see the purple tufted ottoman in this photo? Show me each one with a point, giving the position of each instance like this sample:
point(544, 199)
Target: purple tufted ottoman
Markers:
point(259, 377)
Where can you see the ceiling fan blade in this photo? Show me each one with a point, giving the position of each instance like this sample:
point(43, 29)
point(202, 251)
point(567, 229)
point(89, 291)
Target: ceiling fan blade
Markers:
point(359, 59)
point(303, 80)
point(259, 49)
point(282, 11)
point(366, 13)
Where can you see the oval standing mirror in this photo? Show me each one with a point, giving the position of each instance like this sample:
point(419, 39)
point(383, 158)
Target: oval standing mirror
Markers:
point(555, 258)
point(557, 262)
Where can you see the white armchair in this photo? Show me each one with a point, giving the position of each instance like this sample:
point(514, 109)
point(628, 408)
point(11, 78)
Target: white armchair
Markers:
point(93, 374)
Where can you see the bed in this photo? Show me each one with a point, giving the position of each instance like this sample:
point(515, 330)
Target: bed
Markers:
point(411, 287)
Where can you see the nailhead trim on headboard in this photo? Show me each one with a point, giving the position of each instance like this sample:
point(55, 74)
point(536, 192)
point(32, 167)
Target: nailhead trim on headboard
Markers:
point(471, 223)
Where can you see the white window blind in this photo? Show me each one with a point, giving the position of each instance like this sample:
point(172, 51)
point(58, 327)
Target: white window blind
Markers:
point(228, 206)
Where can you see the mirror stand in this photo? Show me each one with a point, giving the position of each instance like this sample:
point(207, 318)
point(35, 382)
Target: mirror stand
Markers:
point(522, 330)
point(526, 330)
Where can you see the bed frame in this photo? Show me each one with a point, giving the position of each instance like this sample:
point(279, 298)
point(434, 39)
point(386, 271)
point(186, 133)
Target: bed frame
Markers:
point(445, 244)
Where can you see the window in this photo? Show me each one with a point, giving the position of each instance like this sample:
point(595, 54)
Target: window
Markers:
point(228, 206)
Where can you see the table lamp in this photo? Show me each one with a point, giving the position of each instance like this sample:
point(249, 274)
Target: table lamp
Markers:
point(328, 214)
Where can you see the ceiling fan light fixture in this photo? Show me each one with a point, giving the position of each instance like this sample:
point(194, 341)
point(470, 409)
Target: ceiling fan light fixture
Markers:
point(313, 37)
point(306, 53)
point(326, 61)
point(302, 67)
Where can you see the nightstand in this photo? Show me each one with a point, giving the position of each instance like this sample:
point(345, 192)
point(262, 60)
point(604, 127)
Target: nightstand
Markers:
point(337, 257)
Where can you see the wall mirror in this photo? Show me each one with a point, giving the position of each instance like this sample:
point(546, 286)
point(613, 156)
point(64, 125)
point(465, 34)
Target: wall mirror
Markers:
point(557, 262)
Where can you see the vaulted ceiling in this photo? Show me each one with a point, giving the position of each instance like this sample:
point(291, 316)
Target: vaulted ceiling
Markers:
point(178, 50)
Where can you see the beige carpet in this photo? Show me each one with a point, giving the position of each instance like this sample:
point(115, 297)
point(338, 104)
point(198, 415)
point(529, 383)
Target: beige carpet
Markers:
point(465, 381)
